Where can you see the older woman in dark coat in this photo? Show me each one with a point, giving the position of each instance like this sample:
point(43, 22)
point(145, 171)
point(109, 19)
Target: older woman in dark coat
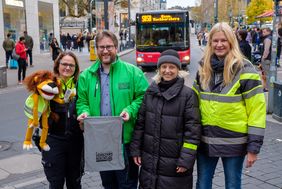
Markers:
point(168, 129)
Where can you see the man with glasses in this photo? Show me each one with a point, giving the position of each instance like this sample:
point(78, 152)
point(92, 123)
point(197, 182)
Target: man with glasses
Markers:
point(112, 87)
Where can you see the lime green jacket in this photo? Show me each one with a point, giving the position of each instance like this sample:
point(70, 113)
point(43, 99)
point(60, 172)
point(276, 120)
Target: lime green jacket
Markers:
point(127, 87)
point(233, 118)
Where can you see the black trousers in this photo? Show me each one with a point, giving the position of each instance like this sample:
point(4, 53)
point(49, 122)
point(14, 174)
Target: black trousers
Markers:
point(122, 179)
point(8, 56)
point(21, 69)
point(64, 162)
point(29, 53)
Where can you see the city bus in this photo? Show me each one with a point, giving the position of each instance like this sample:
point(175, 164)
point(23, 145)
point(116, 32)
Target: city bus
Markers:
point(157, 31)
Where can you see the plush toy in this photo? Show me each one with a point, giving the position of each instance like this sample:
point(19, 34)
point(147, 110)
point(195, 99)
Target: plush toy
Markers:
point(44, 86)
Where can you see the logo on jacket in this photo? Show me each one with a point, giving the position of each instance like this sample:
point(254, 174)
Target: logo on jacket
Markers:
point(104, 156)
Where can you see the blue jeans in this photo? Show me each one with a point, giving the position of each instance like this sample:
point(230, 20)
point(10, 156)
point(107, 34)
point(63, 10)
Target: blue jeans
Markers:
point(232, 171)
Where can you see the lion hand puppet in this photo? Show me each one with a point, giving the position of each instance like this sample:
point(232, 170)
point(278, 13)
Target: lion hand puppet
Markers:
point(44, 86)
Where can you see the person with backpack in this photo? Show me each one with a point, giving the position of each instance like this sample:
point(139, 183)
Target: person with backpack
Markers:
point(8, 46)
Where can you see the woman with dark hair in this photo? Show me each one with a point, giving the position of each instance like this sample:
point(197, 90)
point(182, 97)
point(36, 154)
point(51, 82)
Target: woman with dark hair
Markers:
point(21, 51)
point(244, 45)
point(55, 48)
point(63, 163)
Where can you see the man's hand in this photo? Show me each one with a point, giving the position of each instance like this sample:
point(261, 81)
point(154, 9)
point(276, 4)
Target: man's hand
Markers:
point(137, 160)
point(180, 169)
point(251, 158)
point(80, 118)
point(124, 115)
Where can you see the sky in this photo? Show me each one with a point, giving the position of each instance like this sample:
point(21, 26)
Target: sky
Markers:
point(182, 3)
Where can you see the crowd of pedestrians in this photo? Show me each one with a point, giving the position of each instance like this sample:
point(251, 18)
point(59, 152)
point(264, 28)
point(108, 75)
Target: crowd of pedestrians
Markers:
point(76, 41)
point(252, 42)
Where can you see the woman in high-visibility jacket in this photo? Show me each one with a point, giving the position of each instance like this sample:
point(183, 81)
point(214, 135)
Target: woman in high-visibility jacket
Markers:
point(233, 109)
point(63, 163)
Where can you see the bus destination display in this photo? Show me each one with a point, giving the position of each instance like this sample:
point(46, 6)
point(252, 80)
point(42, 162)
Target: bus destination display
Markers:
point(160, 18)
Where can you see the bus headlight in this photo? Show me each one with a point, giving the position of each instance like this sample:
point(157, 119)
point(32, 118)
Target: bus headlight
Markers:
point(186, 59)
point(139, 59)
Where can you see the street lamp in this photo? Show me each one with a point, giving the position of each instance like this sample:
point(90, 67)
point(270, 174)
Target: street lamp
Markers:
point(90, 7)
point(215, 11)
point(230, 17)
point(129, 29)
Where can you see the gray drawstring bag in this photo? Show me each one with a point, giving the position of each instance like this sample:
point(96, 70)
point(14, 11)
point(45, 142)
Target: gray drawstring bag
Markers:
point(103, 143)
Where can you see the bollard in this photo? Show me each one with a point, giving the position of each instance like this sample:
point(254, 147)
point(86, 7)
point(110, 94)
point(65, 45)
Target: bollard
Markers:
point(92, 50)
point(277, 97)
point(3, 76)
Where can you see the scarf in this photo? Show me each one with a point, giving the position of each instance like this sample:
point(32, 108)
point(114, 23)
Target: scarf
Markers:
point(164, 85)
point(216, 64)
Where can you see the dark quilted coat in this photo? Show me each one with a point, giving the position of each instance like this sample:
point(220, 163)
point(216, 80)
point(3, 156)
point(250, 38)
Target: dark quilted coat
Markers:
point(166, 120)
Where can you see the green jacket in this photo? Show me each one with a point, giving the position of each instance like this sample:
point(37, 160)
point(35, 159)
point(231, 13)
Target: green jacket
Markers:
point(8, 44)
point(28, 42)
point(127, 87)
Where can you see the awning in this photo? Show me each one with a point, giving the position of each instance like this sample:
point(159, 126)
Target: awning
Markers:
point(266, 14)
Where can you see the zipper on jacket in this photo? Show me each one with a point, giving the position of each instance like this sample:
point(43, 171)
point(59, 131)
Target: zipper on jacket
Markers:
point(96, 88)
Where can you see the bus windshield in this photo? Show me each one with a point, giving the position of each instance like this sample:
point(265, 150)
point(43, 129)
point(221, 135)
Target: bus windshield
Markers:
point(167, 35)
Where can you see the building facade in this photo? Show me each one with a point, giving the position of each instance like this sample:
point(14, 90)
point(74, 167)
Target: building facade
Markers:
point(38, 17)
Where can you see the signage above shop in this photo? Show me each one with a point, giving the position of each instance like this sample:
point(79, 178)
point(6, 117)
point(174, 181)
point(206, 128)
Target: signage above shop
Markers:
point(73, 24)
point(17, 3)
point(160, 18)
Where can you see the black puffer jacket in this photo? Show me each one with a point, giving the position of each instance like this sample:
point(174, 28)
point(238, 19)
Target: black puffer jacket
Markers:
point(167, 120)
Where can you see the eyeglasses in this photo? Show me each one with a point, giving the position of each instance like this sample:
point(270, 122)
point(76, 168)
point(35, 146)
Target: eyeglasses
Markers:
point(71, 66)
point(108, 47)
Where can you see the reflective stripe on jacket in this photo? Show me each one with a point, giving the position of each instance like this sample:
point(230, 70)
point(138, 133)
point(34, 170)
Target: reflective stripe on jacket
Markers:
point(29, 103)
point(234, 119)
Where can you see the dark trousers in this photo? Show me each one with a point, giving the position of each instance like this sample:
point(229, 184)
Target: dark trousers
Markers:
point(29, 53)
point(8, 56)
point(63, 163)
point(21, 69)
point(121, 179)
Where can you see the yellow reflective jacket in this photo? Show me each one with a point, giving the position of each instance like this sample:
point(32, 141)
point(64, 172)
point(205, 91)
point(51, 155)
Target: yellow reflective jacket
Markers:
point(233, 117)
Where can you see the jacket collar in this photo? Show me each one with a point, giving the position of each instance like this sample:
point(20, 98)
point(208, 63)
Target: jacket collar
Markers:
point(94, 68)
point(170, 93)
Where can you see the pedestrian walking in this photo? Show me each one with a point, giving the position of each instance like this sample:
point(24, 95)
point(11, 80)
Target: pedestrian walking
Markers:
point(112, 87)
point(63, 162)
point(266, 57)
point(168, 129)
point(244, 45)
point(233, 110)
point(29, 46)
point(199, 38)
point(279, 46)
point(21, 51)
point(80, 42)
point(64, 41)
point(56, 50)
point(8, 45)
point(88, 39)
point(69, 42)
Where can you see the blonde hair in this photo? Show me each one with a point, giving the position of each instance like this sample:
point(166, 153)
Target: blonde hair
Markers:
point(232, 62)
point(181, 73)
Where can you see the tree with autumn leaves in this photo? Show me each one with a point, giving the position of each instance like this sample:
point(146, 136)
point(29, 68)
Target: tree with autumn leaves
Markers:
point(257, 7)
point(232, 9)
